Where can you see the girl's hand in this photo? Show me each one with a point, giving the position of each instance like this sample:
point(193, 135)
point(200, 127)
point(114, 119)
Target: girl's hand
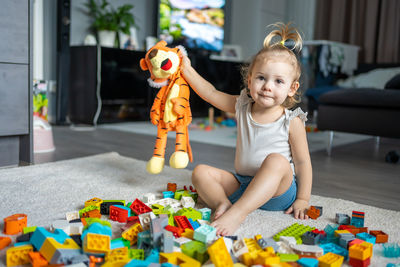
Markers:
point(299, 209)
point(186, 62)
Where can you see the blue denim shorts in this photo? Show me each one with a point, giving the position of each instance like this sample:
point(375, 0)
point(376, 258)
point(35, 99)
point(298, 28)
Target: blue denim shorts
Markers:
point(282, 202)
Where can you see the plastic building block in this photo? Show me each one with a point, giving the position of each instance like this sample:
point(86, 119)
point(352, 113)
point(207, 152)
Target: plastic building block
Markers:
point(37, 260)
point(357, 218)
point(336, 249)
point(188, 233)
point(96, 243)
point(196, 250)
point(288, 257)
point(179, 258)
point(338, 233)
point(4, 242)
point(308, 262)
point(367, 237)
point(205, 214)
point(143, 239)
point(253, 248)
point(40, 235)
point(190, 213)
point(182, 222)
point(345, 240)
point(268, 242)
point(171, 187)
point(15, 224)
point(380, 236)
point(205, 233)
point(72, 215)
point(359, 263)
point(168, 194)
point(167, 242)
point(131, 234)
point(267, 258)
point(29, 229)
point(313, 212)
point(106, 204)
point(101, 228)
point(330, 260)
point(178, 242)
point(296, 230)
point(219, 254)
point(136, 254)
point(119, 243)
point(360, 251)
point(119, 213)
point(194, 224)
point(330, 229)
point(93, 202)
point(145, 219)
point(391, 250)
point(308, 250)
point(342, 218)
point(187, 202)
point(156, 229)
point(59, 252)
point(18, 255)
point(176, 231)
point(157, 208)
point(310, 238)
point(87, 209)
point(138, 207)
point(118, 254)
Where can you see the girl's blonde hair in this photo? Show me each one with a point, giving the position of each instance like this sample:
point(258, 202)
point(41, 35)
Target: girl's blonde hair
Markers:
point(287, 37)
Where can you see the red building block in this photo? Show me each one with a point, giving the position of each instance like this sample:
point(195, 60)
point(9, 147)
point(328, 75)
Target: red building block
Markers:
point(359, 263)
point(171, 187)
point(176, 231)
point(183, 222)
point(138, 207)
point(118, 214)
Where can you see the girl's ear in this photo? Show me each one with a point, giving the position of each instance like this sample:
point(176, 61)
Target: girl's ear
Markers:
point(293, 88)
point(248, 80)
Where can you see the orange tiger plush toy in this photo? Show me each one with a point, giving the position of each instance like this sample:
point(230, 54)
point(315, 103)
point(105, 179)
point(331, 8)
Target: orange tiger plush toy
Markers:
point(170, 110)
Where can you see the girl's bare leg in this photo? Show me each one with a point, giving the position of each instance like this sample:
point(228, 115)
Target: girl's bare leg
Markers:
point(214, 186)
point(272, 179)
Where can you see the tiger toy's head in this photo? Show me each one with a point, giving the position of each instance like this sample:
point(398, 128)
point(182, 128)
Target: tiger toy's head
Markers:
point(162, 62)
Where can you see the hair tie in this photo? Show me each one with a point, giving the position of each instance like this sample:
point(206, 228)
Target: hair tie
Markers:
point(283, 42)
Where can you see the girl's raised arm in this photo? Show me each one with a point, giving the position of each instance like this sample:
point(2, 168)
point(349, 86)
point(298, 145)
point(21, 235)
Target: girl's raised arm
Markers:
point(206, 90)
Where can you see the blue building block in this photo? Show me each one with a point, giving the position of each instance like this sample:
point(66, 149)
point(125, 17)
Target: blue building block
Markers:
point(308, 262)
point(194, 224)
point(124, 208)
point(342, 218)
point(205, 214)
point(119, 243)
point(41, 234)
point(22, 244)
point(97, 228)
point(310, 238)
point(168, 194)
point(144, 239)
point(336, 249)
point(330, 229)
point(366, 237)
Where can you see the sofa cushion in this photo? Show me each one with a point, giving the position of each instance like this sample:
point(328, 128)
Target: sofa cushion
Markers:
point(393, 83)
point(363, 97)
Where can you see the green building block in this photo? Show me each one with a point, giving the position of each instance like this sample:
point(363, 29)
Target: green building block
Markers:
point(29, 229)
point(126, 243)
point(288, 257)
point(190, 213)
point(157, 209)
point(137, 254)
point(196, 250)
point(205, 214)
point(296, 230)
point(178, 194)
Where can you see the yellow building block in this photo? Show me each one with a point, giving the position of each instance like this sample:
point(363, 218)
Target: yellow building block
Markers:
point(219, 254)
point(238, 264)
point(18, 255)
point(267, 258)
point(131, 233)
point(253, 247)
point(338, 232)
point(178, 258)
point(330, 260)
point(188, 233)
point(361, 251)
point(96, 243)
point(118, 254)
point(93, 202)
point(50, 245)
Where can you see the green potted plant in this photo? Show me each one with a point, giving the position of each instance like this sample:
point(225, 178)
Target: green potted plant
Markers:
point(108, 21)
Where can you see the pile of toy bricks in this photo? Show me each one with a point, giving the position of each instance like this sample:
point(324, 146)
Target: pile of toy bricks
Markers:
point(171, 232)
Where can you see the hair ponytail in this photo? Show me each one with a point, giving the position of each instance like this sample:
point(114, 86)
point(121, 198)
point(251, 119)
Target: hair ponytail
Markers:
point(285, 33)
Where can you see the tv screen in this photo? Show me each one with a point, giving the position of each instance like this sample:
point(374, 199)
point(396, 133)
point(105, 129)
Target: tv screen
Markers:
point(195, 24)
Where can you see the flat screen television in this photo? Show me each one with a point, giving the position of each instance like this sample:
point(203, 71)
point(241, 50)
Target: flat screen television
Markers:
point(195, 24)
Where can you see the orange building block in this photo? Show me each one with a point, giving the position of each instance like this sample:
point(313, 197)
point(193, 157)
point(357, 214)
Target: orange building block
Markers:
point(37, 260)
point(361, 251)
point(15, 224)
point(381, 237)
point(4, 241)
point(313, 212)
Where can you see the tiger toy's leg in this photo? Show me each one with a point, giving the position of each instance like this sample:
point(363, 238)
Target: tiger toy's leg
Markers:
point(180, 158)
point(156, 163)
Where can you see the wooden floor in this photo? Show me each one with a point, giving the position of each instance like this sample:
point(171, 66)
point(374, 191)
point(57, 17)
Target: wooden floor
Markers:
point(356, 172)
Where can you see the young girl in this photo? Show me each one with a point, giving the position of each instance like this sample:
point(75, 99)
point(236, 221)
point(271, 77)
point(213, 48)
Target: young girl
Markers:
point(272, 162)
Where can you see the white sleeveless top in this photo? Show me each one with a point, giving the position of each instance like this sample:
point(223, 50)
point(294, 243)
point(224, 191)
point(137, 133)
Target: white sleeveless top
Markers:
point(256, 141)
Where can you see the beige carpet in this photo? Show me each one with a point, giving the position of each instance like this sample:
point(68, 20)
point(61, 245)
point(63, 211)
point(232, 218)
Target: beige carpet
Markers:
point(46, 192)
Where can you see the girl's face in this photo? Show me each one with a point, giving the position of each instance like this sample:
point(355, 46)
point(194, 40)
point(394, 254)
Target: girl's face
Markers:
point(271, 81)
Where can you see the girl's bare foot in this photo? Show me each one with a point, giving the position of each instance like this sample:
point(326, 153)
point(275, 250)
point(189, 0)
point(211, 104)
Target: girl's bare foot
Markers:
point(221, 209)
point(229, 222)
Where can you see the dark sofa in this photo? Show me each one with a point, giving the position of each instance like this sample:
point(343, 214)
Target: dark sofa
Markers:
point(366, 111)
